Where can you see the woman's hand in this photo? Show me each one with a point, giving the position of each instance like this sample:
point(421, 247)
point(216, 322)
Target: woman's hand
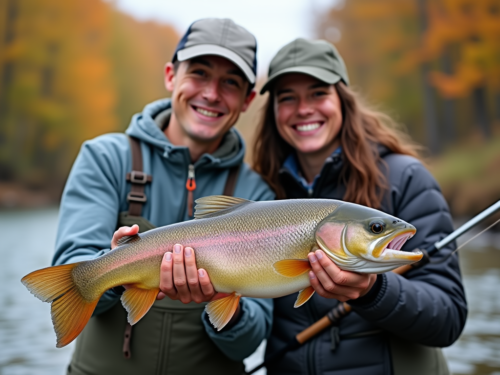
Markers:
point(179, 277)
point(329, 281)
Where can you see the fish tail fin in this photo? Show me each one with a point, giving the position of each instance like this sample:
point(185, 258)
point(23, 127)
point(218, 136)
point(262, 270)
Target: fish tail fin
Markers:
point(70, 311)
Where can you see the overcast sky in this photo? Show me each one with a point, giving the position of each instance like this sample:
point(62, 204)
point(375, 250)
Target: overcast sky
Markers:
point(273, 22)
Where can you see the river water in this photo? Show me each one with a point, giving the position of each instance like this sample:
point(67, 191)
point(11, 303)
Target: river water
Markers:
point(27, 340)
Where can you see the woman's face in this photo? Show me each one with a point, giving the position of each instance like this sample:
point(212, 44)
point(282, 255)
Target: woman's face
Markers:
point(308, 113)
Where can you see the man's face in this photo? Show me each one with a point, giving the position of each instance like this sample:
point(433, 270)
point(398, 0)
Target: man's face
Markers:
point(208, 94)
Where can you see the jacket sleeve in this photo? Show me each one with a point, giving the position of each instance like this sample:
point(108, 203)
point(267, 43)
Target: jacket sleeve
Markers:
point(254, 325)
point(89, 210)
point(427, 305)
point(242, 339)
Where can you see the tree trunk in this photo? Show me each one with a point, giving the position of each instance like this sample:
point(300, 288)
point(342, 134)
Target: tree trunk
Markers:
point(429, 98)
point(481, 109)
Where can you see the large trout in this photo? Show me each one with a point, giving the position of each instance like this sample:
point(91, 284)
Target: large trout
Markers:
point(253, 249)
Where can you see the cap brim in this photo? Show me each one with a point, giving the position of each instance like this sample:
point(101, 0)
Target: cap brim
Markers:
point(319, 73)
point(212, 49)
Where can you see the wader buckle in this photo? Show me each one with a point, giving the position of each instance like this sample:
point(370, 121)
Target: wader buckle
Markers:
point(136, 197)
point(138, 177)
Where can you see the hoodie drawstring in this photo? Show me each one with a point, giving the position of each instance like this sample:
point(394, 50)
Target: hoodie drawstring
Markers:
point(190, 186)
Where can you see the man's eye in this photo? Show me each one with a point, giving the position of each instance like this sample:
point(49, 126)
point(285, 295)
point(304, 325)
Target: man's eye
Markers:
point(232, 82)
point(199, 72)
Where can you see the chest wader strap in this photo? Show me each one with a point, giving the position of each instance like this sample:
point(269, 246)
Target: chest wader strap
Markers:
point(138, 179)
point(137, 198)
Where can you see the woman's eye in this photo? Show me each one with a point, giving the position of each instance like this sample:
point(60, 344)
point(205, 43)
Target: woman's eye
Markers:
point(319, 93)
point(377, 228)
point(284, 99)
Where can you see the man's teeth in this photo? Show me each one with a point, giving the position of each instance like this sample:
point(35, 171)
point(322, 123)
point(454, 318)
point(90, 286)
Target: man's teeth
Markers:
point(207, 113)
point(308, 127)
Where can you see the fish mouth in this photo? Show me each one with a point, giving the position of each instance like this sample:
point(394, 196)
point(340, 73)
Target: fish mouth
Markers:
point(390, 248)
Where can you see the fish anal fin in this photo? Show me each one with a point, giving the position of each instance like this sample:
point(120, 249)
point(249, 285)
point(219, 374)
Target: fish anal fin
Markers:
point(304, 296)
point(216, 205)
point(70, 311)
point(222, 310)
point(137, 302)
point(128, 239)
point(292, 267)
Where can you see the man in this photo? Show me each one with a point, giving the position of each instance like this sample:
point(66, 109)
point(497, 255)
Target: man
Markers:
point(188, 146)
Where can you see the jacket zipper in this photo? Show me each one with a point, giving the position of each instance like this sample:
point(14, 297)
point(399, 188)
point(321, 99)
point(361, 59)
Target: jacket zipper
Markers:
point(190, 187)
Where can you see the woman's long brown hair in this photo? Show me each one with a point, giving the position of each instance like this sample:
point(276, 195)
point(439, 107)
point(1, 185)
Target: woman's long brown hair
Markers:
point(362, 130)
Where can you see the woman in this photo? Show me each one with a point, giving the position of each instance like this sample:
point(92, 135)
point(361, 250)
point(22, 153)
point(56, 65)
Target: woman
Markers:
point(317, 140)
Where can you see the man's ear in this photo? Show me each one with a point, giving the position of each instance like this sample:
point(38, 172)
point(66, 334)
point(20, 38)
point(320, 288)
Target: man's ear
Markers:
point(169, 76)
point(249, 99)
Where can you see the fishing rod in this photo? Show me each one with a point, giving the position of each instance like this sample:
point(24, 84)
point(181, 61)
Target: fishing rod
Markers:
point(343, 309)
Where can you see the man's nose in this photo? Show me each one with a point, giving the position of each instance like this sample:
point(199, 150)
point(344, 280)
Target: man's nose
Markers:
point(211, 91)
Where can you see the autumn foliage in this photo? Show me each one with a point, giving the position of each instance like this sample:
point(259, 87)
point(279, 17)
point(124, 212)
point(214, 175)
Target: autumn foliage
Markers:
point(69, 71)
point(434, 63)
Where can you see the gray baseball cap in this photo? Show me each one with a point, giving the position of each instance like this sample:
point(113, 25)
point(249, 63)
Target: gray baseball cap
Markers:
point(221, 37)
point(316, 58)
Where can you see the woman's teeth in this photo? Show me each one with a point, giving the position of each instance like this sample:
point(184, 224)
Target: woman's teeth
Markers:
point(308, 127)
point(207, 113)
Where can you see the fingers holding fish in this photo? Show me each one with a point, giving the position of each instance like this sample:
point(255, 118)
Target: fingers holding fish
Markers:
point(192, 275)
point(206, 285)
point(167, 287)
point(122, 232)
point(179, 275)
point(330, 281)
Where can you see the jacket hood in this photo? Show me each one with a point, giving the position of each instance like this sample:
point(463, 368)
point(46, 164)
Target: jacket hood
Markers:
point(146, 126)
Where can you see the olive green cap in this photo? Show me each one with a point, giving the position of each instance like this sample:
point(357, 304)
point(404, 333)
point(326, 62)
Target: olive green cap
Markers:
point(316, 58)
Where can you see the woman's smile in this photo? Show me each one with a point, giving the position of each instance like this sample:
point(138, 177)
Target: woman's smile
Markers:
point(308, 128)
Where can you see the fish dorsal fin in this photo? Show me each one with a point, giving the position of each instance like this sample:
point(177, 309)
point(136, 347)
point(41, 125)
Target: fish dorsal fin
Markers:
point(216, 205)
point(137, 302)
point(128, 239)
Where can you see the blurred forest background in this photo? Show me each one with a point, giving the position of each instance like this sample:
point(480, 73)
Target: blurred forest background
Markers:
point(71, 70)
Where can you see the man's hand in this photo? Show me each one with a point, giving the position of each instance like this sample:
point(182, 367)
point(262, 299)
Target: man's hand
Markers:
point(180, 279)
point(329, 281)
point(122, 232)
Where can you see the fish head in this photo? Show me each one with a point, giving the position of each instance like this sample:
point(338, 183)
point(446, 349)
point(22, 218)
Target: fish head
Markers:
point(365, 240)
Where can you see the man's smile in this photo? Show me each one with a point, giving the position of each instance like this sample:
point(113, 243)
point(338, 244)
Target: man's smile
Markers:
point(211, 113)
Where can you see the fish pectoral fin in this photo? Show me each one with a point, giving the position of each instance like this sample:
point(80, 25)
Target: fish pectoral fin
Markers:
point(292, 267)
point(137, 302)
point(304, 296)
point(128, 239)
point(222, 310)
point(216, 205)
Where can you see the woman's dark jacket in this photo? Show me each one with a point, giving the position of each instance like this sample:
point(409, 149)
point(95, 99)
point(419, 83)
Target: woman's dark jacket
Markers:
point(426, 306)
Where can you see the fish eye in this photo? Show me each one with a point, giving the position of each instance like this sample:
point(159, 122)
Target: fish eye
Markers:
point(377, 227)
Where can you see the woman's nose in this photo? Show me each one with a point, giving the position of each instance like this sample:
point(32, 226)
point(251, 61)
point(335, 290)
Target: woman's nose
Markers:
point(305, 108)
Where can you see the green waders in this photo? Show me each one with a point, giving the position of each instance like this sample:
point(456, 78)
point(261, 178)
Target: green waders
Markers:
point(169, 339)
